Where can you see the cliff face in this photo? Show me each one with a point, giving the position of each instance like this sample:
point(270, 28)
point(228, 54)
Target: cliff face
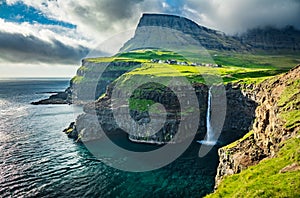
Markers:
point(171, 32)
point(92, 78)
point(239, 115)
point(277, 119)
point(174, 32)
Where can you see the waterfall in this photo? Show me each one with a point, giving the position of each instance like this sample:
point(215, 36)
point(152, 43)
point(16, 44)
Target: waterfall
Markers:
point(209, 133)
point(208, 125)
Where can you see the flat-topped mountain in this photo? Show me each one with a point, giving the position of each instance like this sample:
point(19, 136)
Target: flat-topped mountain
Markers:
point(174, 32)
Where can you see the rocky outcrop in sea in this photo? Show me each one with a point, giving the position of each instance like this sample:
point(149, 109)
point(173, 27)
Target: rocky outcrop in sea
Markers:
point(58, 98)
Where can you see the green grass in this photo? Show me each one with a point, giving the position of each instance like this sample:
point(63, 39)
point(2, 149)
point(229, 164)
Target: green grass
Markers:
point(248, 60)
point(106, 59)
point(264, 179)
point(151, 54)
point(237, 67)
point(289, 103)
point(141, 105)
point(233, 144)
point(292, 118)
point(243, 67)
point(139, 56)
point(77, 79)
point(196, 73)
point(83, 68)
point(165, 72)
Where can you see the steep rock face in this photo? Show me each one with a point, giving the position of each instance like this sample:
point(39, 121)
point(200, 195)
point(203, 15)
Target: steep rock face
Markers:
point(93, 77)
point(90, 82)
point(169, 32)
point(239, 116)
point(273, 39)
point(172, 32)
point(269, 128)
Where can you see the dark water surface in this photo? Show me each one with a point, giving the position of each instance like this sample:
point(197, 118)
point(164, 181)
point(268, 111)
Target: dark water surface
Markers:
point(37, 159)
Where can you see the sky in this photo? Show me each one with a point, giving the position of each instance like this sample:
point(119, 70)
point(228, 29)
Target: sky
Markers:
point(48, 38)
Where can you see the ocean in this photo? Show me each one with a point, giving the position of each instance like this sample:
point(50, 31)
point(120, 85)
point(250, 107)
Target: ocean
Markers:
point(38, 160)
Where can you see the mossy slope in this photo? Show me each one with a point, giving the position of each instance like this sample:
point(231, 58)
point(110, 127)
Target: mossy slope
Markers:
point(265, 179)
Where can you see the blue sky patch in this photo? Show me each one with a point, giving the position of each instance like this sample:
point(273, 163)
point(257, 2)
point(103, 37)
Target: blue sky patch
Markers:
point(19, 12)
point(176, 5)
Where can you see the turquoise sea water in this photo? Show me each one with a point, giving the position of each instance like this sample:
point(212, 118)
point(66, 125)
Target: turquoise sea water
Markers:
point(38, 160)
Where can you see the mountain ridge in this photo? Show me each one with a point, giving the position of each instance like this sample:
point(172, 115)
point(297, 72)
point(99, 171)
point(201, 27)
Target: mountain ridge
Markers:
point(272, 39)
point(149, 35)
point(158, 30)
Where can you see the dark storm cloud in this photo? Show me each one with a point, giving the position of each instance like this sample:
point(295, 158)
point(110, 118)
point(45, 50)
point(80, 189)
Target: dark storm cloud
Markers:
point(16, 47)
point(98, 18)
point(237, 16)
point(105, 15)
point(226, 15)
point(116, 9)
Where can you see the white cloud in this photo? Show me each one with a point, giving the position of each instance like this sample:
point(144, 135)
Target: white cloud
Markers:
point(12, 70)
point(96, 19)
point(97, 22)
point(46, 32)
point(99, 19)
point(41, 43)
point(165, 5)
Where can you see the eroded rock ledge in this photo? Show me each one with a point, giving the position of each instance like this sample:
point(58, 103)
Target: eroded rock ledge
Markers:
point(238, 121)
point(269, 128)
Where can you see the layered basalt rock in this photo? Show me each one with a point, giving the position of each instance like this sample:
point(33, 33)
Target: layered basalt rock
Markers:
point(94, 77)
point(99, 116)
point(269, 129)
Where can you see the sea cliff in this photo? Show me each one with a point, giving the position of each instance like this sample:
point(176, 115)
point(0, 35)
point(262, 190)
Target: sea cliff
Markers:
point(98, 115)
point(276, 122)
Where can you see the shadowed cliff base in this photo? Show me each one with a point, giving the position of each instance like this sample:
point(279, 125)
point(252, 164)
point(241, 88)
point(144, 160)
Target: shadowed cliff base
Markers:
point(238, 120)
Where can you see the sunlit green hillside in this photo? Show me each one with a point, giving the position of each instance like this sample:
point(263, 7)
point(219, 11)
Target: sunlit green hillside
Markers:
point(247, 68)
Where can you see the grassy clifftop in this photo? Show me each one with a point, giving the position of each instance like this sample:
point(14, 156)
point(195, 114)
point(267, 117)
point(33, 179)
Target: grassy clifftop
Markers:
point(272, 146)
point(244, 67)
